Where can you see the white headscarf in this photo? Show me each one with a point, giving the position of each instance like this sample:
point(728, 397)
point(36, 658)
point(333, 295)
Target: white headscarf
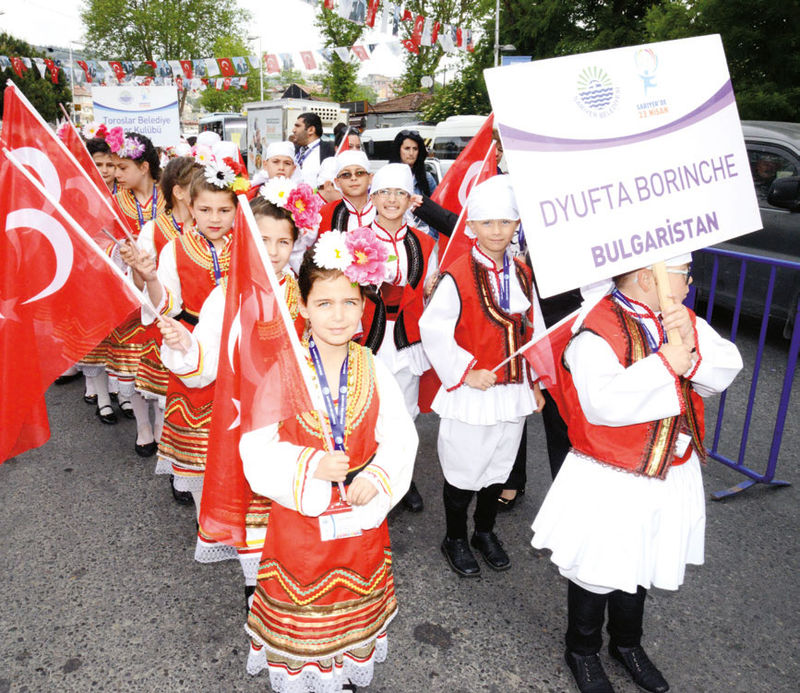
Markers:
point(492, 199)
point(397, 176)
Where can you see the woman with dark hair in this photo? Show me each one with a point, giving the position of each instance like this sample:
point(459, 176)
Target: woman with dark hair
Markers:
point(354, 138)
point(409, 148)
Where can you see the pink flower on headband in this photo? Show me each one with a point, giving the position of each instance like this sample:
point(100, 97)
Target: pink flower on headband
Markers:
point(115, 139)
point(304, 206)
point(369, 257)
point(132, 148)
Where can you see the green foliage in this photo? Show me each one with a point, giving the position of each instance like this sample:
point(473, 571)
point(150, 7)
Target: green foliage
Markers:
point(41, 92)
point(339, 77)
point(160, 29)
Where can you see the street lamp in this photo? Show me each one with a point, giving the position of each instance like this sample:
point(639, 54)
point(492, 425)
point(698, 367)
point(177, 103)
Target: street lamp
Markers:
point(260, 63)
point(497, 47)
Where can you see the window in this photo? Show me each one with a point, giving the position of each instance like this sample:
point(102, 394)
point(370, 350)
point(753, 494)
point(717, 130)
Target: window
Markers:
point(767, 164)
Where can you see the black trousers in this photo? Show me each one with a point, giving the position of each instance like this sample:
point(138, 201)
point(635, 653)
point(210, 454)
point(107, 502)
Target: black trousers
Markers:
point(456, 503)
point(586, 613)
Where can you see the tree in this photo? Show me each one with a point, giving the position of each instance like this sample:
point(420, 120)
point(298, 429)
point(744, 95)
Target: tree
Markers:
point(160, 29)
point(233, 99)
point(461, 13)
point(339, 76)
point(40, 91)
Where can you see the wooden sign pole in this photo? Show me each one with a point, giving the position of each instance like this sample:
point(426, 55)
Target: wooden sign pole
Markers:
point(664, 299)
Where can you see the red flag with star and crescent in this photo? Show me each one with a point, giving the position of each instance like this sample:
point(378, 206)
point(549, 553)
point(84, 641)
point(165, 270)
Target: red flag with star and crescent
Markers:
point(59, 297)
point(37, 146)
point(72, 140)
point(260, 378)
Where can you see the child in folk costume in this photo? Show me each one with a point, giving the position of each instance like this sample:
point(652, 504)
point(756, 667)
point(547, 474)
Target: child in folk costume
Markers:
point(194, 356)
point(278, 163)
point(151, 376)
point(392, 330)
point(326, 181)
point(325, 591)
point(103, 158)
point(189, 267)
point(626, 511)
point(480, 313)
point(355, 209)
point(138, 170)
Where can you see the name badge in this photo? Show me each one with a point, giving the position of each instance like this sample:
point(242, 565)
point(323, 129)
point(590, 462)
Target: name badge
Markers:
point(339, 522)
point(682, 444)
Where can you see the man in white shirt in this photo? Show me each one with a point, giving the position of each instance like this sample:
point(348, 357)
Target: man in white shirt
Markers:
point(312, 150)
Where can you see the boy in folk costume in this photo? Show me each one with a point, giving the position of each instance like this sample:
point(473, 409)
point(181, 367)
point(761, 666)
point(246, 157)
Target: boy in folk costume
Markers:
point(325, 590)
point(479, 314)
point(355, 209)
point(626, 511)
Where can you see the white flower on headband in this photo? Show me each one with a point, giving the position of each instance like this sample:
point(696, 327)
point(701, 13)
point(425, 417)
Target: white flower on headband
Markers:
point(89, 131)
point(331, 252)
point(277, 190)
point(219, 174)
point(203, 155)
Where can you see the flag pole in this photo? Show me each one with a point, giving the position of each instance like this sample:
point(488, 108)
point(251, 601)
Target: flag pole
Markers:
point(536, 339)
point(140, 297)
point(489, 151)
point(244, 205)
point(664, 298)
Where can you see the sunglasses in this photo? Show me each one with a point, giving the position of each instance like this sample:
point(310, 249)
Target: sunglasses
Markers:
point(409, 133)
point(347, 175)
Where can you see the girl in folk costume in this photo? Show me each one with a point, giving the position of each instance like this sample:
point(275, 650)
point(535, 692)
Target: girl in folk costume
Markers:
point(325, 591)
point(151, 376)
point(626, 510)
point(392, 329)
point(194, 356)
point(139, 199)
point(189, 267)
point(355, 209)
point(482, 310)
point(101, 155)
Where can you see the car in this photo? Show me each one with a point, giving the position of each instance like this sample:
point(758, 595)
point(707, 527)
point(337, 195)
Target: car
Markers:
point(773, 149)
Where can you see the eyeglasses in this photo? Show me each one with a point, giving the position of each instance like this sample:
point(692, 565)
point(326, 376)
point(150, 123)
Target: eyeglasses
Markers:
point(347, 175)
point(687, 273)
point(391, 193)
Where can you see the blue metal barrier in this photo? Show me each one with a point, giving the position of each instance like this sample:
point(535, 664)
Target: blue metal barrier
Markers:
point(768, 476)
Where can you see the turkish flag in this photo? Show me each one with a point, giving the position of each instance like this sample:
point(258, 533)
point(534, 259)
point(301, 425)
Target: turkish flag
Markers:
point(271, 63)
point(226, 67)
point(451, 193)
point(372, 10)
point(151, 63)
point(460, 242)
point(416, 32)
point(53, 69)
point(259, 378)
point(38, 147)
point(85, 67)
point(18, 65)
point(72, 140)
point(308, 60)
point(411, 47)
point(119, 71)
point(186, 66)
point(59, 297)
point(361, 53)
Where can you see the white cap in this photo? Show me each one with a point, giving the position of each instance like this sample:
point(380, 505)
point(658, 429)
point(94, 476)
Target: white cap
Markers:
point(208, 138)
point(327, 171)
point(280, 149)
point(351, 158)
point(394, 176)
point(224, 149)
point(492, 199)
point(183, 149)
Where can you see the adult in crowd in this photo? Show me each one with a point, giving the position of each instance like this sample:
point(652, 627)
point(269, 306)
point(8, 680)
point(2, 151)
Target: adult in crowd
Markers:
point(312, 150)
point(353, 137)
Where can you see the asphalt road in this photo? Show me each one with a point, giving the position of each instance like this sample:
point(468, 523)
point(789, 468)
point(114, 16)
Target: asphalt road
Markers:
point(100, 591)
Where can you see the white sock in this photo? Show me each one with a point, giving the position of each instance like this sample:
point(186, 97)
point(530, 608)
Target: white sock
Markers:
point(144, 430)
point(99, 386)
point(158, 421)
point(90, 390)
point(197, 495)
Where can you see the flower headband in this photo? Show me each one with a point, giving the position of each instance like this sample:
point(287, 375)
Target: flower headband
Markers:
point(116, 140)
point(226, 174)
point(94, 130)
point(298, 198)
point(358, 254)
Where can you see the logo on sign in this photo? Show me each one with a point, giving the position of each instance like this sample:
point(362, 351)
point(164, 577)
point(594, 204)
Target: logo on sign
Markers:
point(597, 95)
point(126, 97)
point(647, 63)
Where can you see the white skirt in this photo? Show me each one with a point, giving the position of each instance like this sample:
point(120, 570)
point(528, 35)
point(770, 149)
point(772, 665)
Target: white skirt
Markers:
point(616, 530)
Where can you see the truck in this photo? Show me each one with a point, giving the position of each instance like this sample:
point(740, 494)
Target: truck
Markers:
point(229, 126)
point(272, 121)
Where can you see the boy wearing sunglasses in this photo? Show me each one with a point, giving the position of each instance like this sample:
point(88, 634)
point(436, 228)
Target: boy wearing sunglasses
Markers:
point(355, 209)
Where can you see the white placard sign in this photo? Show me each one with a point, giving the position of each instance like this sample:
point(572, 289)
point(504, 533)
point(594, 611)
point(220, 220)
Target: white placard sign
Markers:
point(623, 157)
point(150, 111)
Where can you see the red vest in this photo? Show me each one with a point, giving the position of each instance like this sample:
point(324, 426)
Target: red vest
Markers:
point(196, 269)
point(484, 329)
point(647, 449)
point(163, 232)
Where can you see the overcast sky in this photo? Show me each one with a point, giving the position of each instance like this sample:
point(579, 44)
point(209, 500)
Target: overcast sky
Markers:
point(57, 22)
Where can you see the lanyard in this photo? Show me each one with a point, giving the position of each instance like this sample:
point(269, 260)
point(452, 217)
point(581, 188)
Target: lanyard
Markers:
point(336, 415)
point(154, 199)
point(215, 260)
point(302, 157)
point(629, 303)
point(177, 226)
point(504, 287)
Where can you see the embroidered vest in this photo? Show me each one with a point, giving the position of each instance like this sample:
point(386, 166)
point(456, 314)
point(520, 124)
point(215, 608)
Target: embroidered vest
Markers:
point(196, 270)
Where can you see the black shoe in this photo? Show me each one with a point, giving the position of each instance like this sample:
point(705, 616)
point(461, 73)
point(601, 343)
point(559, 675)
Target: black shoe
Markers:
point(109, 417)
point(182, 497)
point(460, 558)
point(412, 500)
point(114, 397)
point(588, 672)
point(90, 399)
point(491, 548)
point(249, 591)
point(64, 379)
point(350, 687)
point(127, 408)
point(642, 670)
point(146, 450)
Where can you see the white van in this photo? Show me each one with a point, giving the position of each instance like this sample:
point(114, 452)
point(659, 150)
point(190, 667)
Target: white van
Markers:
point(452, 135)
